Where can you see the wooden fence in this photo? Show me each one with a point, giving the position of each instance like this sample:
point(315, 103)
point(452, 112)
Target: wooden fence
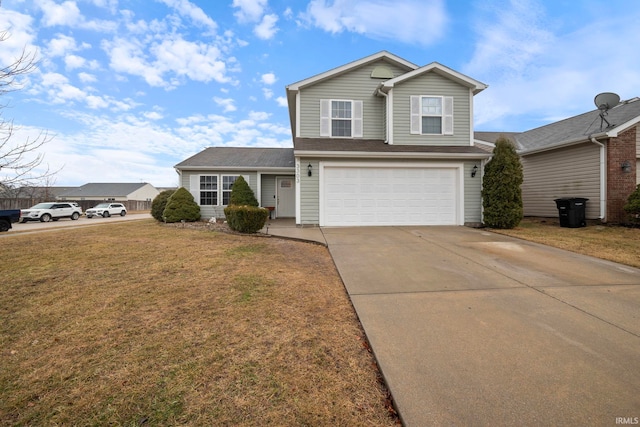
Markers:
point(25, 203)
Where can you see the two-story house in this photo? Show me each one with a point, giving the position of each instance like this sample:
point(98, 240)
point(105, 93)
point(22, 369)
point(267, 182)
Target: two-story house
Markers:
point(378, 141)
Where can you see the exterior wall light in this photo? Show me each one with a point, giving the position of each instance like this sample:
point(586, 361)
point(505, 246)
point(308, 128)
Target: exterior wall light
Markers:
point(309, 169)
point(626, 166)
point(474, 171)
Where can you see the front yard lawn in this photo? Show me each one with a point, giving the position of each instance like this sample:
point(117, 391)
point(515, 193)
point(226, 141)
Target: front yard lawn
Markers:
point(618, 244)
point(142, 324)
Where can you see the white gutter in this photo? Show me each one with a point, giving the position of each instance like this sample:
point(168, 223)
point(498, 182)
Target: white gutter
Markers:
point(603, 179)
point(384, 155)
point(386, 104)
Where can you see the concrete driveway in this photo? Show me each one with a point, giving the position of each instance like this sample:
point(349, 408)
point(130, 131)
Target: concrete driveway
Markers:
point(474, 328)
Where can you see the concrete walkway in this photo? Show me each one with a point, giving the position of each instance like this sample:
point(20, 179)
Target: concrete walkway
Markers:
point(474, 328)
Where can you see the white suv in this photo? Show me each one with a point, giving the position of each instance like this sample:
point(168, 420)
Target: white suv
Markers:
point(105, 210)
point(51, 211)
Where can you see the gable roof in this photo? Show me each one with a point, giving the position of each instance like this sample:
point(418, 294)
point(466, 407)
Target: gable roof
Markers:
point(402, 63)
point(240, 158)
point(580, 128)
point(438, 68)
point(116, 189)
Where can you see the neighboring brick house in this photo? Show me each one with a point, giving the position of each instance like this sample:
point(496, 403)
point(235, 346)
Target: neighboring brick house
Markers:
point(581, 157)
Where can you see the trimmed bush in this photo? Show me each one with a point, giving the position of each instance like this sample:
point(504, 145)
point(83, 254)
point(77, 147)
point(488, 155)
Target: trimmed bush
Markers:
point(501, 192)
point(633, 205)
point(242, 194)
point(181, 207)
point(246, 219)
point(159, 203)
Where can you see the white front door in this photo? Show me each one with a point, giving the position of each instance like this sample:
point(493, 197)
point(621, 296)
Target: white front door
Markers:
point(286, 196)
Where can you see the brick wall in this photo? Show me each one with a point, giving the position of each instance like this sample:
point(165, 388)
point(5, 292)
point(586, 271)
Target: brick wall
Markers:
point(620, 184)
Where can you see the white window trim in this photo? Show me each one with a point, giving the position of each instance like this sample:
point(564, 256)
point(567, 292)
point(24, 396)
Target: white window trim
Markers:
point(416, 114)
point(195, 186)
point(357, 122)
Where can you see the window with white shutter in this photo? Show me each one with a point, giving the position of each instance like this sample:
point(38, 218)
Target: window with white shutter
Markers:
point(340, 118)
point(431, 115)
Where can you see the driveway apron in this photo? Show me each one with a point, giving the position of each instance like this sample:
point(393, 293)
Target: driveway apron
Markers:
point(474, 328)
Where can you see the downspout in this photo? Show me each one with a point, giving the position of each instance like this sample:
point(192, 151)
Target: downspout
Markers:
point(603, 178)
point(386, 106)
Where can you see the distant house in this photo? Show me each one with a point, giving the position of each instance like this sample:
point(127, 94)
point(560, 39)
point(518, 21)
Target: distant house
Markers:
point(581, 156)
point(378, 141)
point(119, 192)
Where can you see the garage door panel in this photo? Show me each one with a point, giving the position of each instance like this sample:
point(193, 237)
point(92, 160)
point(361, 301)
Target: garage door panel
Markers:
point(389, 196)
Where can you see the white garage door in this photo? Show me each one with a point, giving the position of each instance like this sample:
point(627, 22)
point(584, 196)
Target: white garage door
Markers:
point(360, 196)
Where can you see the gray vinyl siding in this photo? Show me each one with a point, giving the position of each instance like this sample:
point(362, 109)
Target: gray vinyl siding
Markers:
point(310, 189)
point(568, 172)
point(309, 192)
point(354, 85)
point(207, 212)
point(268, 191)
point(431, 84)
point(472, 193)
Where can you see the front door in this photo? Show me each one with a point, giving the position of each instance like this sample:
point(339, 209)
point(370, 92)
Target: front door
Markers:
point(286, 196)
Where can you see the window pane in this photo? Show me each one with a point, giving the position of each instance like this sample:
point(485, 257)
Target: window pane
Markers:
point(432, 106)
point(432, 125)
point(341, 109)
point(227, 182)
point(209, 182)
point(208, 198)
point(341, 127)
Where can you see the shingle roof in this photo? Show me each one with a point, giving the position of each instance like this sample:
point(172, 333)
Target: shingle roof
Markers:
point(104, 189)
point(579, 127)
point(240, 157)
point(492, 137)
point(379, 146)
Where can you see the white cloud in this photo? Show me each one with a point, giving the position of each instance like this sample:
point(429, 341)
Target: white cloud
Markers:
point(87, 78)
point(267, 28)
point(153, 115)
point(65, 13)
point(282, 101)
point(407, 21)
point(545, 75)
point(249, 10)
point(226, 103)
point(197, 15)
point(20, 36)
point(268, 78)
point(259, 115)
point(73, 61)
point(268, 93)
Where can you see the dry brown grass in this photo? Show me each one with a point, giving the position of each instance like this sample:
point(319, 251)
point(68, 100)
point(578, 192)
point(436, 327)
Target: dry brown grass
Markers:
point(618, 244)
point(143, 324)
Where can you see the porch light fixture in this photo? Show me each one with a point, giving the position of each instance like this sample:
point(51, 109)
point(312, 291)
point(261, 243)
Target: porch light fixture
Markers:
point(626, 166)
point(309, 169)
point(474, 171)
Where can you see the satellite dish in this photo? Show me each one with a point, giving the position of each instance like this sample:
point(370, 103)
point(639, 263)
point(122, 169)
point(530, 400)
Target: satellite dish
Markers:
point(606, 100)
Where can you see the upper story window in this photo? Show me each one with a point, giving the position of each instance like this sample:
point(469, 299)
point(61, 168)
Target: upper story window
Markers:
point(340, 118)
point(432, 115)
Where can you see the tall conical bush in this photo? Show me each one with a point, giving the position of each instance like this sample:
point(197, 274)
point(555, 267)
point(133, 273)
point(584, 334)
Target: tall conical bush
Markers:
point(159, 203)
point(181, 207)
point(501, 192)
point(242, 194)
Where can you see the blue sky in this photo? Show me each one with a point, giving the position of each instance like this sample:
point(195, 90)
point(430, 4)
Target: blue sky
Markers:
point(129, 88)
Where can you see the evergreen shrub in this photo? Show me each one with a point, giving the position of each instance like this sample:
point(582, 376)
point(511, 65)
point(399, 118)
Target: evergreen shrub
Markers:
point(181, 207)
point(159, 203)
point(633, 205)
point(246, 219)
point(242, 194)
point(501, 192)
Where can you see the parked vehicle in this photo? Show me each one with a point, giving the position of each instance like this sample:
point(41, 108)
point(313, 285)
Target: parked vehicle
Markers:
point(51, 211)
point(7, 217)
point(105, 210)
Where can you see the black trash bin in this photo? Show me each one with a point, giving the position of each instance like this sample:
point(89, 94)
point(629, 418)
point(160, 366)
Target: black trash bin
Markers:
point(571, 211)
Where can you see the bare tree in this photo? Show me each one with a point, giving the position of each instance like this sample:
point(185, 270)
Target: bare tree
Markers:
point(20, 163)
